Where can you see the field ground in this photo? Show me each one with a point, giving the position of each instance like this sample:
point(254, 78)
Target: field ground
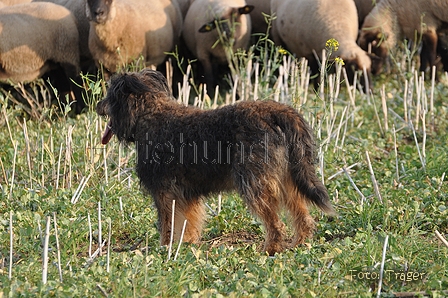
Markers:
point(383, 158)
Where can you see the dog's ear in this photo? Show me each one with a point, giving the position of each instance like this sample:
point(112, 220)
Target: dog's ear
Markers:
point(126, 84)
point(156, 80)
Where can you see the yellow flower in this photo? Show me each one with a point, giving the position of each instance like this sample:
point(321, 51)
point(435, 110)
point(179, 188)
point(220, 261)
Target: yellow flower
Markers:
point(332, 44)
point(282, 51)
point(339, 60)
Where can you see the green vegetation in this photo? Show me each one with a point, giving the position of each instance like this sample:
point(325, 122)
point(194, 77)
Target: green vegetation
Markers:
point(383, 158)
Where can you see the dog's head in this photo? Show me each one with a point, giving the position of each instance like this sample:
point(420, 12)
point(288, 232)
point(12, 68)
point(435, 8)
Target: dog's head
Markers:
point(130, 96)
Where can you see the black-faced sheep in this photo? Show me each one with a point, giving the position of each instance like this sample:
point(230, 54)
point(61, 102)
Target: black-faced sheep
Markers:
point(393, 20)
point(205, 20)
point(124, 30)
point(34, 38)
point(305, 25)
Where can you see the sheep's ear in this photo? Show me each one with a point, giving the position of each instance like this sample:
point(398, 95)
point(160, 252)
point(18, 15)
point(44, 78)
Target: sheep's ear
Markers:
point(246, 9)
point(208, 27)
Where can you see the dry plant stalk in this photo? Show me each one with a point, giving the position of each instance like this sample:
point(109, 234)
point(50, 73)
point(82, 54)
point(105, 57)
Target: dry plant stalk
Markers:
point(431, 101)
point(363, 198)
point(27, 149)
point(372, 176)
point(172, 229)
point(59, 166)
point(13, 170)
point(90, 235)
point(42, 161)
point(383, 259)
point(108, 245)
point(180, 241)
point(45, 252)
point(384, 105)
point(397, 172)
point(11, 245)
point(57, 246)
point(441, 238)
point(80, 188)
point(100, 239)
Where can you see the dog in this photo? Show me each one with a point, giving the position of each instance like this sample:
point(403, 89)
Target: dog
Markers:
point(264, 150)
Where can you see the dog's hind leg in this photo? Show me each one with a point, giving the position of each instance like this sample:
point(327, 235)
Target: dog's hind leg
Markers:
point(262, 197)
point(297, 206)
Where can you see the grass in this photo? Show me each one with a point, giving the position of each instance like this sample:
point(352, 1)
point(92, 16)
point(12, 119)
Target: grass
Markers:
point(382, 156)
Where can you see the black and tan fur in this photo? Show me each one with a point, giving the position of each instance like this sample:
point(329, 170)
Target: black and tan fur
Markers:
point(262, 149)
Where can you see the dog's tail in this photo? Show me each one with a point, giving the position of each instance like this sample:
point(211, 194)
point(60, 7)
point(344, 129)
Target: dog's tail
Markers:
point(301, 159)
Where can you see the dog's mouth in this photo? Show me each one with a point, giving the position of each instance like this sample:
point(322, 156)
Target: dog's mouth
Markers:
point(107, 135)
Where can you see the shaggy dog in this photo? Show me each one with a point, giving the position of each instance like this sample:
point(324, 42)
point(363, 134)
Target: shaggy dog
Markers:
point(262, 149)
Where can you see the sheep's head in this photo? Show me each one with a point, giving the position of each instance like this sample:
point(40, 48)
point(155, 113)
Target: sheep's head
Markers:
point(378, 46)
point(98, 11)
point(226, 22)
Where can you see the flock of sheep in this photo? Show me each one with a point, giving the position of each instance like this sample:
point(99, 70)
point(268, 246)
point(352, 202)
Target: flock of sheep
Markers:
point(39, 36)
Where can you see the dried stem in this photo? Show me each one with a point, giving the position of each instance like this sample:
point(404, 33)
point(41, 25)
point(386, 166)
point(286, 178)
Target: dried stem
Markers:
point(383, 259)
point(11, 245)
point(363, 198)
point(108, 245)
point(57, 246)
point(172, 229)
point(180, 241)
point(372, 176)
point(100, 236)
point(441, 238)
point(13, 171)
point(45, 252)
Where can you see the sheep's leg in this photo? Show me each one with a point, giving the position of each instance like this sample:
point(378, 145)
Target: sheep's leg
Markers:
point(208, 73)
point(428, 54)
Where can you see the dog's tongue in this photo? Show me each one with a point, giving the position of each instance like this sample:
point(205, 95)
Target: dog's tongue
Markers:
point(107, 135)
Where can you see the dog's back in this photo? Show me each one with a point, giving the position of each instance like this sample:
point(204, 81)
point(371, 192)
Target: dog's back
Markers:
point(277, 125)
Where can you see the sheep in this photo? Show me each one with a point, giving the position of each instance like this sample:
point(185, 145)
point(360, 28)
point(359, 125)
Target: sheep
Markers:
point(183, 6)
point(304, 26)
point(124, 30)
point(78, 8)
point(258, 20)
point(34, 38)
point(200, 34)
point(38, 39)
point(392, 20)
point(14, 2)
